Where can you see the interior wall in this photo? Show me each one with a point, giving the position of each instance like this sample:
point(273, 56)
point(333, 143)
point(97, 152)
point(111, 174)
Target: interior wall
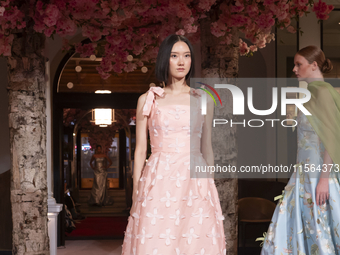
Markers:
point(5, 214)
point(5, 158)
point(257, 146)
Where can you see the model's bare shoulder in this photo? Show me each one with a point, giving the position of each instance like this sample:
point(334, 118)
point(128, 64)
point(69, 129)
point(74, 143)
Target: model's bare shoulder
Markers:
point(142, 99)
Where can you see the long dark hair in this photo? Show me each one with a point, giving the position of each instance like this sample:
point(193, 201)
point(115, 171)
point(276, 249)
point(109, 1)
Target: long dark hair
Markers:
point(162, 63)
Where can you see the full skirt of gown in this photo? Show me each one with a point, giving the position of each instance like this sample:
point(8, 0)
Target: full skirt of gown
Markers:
point(299, 226)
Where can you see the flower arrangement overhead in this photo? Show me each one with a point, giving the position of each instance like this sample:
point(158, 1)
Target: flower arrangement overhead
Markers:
point(136, 27)
point(130, 31)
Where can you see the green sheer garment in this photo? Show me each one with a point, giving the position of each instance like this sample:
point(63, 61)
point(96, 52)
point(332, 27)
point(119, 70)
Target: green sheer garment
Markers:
point(324, 106)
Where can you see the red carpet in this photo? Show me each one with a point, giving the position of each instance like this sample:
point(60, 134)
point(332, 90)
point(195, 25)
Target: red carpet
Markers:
point(99, 228)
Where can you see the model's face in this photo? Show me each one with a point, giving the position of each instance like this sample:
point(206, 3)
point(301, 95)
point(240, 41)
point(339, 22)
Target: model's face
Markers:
point(180, 61)
point(302, 68)
point(99, 150)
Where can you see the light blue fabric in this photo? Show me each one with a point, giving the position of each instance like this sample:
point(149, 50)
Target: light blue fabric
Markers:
point(299, 226)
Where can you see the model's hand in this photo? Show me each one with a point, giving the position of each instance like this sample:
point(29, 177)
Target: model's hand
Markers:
point(322, 191)
point(134, 202)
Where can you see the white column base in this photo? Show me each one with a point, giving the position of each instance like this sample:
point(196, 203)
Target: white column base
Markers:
point(53, 211)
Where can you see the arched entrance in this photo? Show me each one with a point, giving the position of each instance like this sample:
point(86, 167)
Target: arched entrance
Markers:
point(71, 142)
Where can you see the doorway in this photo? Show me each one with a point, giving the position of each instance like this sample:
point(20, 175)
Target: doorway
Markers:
point(73, 146)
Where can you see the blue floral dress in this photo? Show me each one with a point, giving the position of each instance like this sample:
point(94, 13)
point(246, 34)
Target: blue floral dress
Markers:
point(299, 226)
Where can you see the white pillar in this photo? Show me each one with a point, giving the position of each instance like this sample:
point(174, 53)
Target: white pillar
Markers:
point(53, 207)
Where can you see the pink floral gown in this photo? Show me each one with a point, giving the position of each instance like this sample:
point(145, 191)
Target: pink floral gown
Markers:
point(174, 214)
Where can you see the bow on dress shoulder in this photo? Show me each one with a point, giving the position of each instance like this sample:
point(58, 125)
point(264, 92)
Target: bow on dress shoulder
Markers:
point(196, 92)
point(150, 98)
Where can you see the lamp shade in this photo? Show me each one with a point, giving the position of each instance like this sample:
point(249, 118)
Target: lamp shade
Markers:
point(103, 116)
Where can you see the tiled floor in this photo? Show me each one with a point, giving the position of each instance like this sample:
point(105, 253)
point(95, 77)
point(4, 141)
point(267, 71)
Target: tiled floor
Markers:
point(91, 247)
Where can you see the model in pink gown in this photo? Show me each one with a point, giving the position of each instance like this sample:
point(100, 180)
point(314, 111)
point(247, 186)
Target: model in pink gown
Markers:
point(174, 214)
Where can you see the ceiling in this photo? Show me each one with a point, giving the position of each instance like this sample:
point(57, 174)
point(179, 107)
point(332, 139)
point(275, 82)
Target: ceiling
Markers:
point(88, 80)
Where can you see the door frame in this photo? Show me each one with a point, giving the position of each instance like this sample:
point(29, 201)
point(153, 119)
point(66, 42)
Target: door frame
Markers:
point(82, 101)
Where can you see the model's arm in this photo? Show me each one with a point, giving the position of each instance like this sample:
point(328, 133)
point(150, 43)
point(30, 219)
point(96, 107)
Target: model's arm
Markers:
point(206, 145)
point(109, 161)
point(141, 144)
point(91, 164)
point(322, 189)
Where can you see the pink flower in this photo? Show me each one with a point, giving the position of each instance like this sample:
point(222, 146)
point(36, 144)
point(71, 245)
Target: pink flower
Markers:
point(39, 26)
point(300, 2)
point(322, 10)
point(2, 10)
point(105, 7)
point(206, 4)
point(190, 27)
point(49, 31)
point(92, 32)
point(5, 45)
point(265, 21)
point(118, 67)
point(227, 40)
point(66, 46)
point(243, 48)
point(269, 37)
point(66, 26)
point(253, 48)
point(286, 22)
point(85, 50)
point(238, 7)
point(52, 15)
point(39, 7)
point(261, 42)
point(252, 10)
point(61, 4)
point(130, 67)
point(238, 20)
point(269, 2)
point(103, 75)
point(5, 3)
point(291, 29)
point(180, 32)
point(216, 30)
